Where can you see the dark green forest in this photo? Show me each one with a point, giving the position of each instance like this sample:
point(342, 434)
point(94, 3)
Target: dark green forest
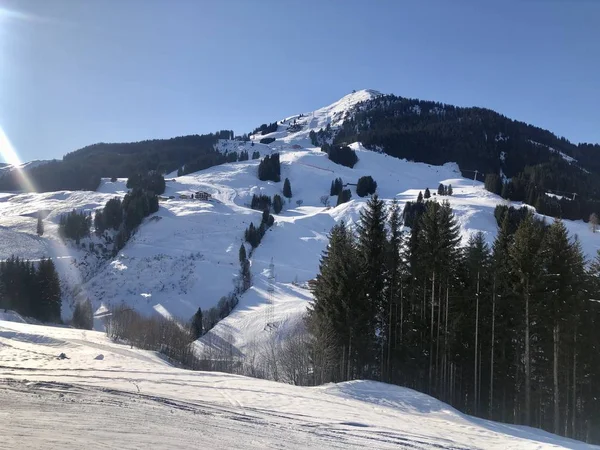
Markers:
point(83, 168)
point(508, 332)
point(481, 140)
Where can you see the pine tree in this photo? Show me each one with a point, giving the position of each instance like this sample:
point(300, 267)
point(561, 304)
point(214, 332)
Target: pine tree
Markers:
point(277, 203)
point(562, 281)
point(242, 253)
point(420, 197)
point(337, 312)
point(525, 265)
point(427, 194)
point(449, 191)
point(441, 189)
point(196, 325)
point(287, 188)
point(345, 196)
point(394, 310)
point(371, 248)
point(48, 287)
point(40, 226)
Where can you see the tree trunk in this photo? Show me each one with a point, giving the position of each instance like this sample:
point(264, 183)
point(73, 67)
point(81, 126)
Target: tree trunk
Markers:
point(574, 393)
point(475, 390)
point(555, 377)
point(431, 333)
point(527, 359)
point(492, 350)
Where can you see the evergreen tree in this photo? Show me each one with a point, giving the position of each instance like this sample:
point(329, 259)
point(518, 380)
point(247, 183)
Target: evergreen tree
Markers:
point(371, 250)
point(242, 253)
point(366, 186)
point(196, 326)
point(48, 286)
point(441, 189)
point(420, 197)
point(287, 188)
point(427, 194)
point(40, 225)
point(277, 203)
point(525, 264)
point(338, 309)
point(345, 196)
point(449, 190)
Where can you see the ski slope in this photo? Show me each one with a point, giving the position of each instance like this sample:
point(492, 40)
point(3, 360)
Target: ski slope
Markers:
point(107, 395)
point(185, 256)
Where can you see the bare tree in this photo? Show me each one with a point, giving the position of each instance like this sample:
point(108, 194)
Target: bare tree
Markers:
point(594, 222)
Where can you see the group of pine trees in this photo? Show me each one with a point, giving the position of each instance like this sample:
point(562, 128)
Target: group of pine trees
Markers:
point(265, 129)
point(254, 234)
point(444, 190)
point(535, 183)
point(32, 289)
point(124, 216)
point(366, 186)
point(340, 154)
point(74, 225)
point(509, 332)
point(263, 202)
point(343, 195)
point(151, 181)
point(269, 168)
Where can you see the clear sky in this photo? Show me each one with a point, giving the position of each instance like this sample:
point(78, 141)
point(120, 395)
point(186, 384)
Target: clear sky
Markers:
point(76, 72)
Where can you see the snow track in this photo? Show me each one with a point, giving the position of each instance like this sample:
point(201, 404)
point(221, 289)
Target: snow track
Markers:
point(132, 399)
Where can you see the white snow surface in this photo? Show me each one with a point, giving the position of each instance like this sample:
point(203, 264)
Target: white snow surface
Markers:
point(107, 395)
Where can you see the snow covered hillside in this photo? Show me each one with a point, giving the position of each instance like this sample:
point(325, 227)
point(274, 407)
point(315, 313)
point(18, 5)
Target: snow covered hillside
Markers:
point(185, 256)
point(106, 395)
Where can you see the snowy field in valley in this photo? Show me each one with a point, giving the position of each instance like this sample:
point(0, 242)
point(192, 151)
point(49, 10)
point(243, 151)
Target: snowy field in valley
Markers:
point(107, 395)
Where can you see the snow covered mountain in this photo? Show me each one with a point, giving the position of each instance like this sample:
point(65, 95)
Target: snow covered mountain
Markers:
point(186, 255)
point(104, 394)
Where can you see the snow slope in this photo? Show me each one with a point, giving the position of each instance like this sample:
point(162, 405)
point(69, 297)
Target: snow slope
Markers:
point(107, 395)
point(185, 256)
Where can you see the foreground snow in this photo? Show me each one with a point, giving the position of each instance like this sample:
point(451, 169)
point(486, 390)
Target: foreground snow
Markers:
point(109, 395)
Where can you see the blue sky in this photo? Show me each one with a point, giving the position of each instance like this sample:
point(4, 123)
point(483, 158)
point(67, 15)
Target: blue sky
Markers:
point(73, 73)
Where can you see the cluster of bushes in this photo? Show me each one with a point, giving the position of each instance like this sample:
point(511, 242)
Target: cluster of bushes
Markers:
point(30, 289)
point(366, 186)
point(445, 190)
point(269, 168)
point(341, 154)
point(267, 140)
point(266, 129)
point(74, 225)
point(151, 181)
point(256, 155)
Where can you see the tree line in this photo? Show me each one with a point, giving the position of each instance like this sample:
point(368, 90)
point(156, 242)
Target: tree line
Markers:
point(83, 168)
point(32, 289)
point(507, 332)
